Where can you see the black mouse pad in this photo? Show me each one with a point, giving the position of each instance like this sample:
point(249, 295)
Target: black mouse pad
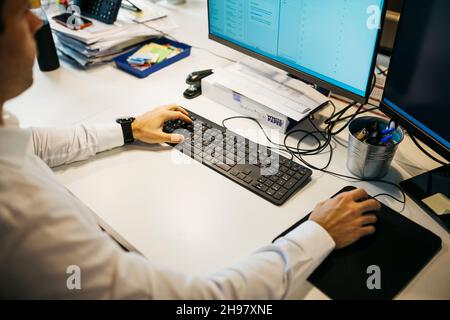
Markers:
point(400, 249)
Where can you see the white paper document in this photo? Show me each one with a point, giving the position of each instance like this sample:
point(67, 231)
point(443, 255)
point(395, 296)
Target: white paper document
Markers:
point(275, 95)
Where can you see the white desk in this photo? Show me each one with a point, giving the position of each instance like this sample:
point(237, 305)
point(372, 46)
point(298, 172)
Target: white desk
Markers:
point(190, 218)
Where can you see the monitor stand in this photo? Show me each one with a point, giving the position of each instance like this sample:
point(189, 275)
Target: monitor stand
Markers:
point(431, 191)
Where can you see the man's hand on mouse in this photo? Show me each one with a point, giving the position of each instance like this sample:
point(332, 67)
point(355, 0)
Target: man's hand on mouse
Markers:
point(148, 128)
point(346, 218)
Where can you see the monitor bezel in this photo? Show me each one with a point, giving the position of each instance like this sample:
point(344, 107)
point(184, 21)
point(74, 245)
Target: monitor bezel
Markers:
point(303, 75)
point(406, 123)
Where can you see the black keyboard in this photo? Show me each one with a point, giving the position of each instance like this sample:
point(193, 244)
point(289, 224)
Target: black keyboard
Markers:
point(255, 167)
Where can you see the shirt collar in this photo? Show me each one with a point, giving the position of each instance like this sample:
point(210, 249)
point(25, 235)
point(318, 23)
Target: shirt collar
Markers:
point(14, 143)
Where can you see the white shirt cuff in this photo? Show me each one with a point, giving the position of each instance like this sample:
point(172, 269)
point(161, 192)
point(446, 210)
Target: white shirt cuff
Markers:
point(109, 136)
point(313, 239)
point(304, 249)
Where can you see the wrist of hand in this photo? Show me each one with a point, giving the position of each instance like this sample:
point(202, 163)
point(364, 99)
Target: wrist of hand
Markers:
point(137, 131)
point(126, 124)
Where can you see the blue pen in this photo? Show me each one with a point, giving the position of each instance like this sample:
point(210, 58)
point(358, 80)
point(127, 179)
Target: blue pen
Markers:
point(387, 131)
point(386, 139)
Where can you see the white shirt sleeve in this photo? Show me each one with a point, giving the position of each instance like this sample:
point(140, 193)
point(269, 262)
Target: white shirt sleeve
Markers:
point(277, 271)
point(45, 231)
point(59, 146)
point(35, 266)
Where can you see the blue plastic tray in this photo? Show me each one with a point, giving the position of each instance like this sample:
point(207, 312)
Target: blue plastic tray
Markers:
point(121, 61)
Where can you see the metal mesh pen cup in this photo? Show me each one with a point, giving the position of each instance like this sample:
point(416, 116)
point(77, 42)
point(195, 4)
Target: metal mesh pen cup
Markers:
point(369, 161)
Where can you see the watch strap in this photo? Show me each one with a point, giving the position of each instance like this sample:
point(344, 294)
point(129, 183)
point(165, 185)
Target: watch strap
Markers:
point(127, 129)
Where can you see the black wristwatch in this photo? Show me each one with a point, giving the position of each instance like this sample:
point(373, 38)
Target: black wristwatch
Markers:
point(127, 129)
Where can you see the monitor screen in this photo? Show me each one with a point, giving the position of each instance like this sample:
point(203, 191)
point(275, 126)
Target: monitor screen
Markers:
point(418, 87)
point(331, 42)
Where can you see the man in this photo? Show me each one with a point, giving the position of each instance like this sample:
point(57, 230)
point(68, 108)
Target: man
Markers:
point(44, 229)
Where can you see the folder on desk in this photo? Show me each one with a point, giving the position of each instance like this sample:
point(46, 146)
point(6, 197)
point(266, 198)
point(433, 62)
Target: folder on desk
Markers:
point(399, 250)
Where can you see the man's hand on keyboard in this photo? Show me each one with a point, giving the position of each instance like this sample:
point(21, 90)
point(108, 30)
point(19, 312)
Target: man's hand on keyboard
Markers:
point(347, 217)
point(148, 128)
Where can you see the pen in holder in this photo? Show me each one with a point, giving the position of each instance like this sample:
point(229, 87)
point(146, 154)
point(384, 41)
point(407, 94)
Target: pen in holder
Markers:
point(371, 147)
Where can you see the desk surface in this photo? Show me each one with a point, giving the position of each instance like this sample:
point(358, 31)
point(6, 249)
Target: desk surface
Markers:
point(188, 217)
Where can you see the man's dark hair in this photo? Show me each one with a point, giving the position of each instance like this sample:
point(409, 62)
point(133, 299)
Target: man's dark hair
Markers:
point(2, 2)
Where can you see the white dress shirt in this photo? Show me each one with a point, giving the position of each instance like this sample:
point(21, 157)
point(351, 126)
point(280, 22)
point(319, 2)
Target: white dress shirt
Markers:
point(44, 229)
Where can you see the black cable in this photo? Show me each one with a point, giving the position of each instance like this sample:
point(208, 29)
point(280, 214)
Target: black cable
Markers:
point(424, 151)
point(323, 139)
point(362, 112)
point(374, 82)
point(161, 33)
point(382, 72)
point(297, 152)
point(214, 54)
point(260, 126)
point(389, 196)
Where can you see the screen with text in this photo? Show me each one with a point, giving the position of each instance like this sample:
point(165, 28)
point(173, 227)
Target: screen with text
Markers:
point(333, 40)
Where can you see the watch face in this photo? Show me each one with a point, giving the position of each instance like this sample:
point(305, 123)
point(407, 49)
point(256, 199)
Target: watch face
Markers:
point(125, 120)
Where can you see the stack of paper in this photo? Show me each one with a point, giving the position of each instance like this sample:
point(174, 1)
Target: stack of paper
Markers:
point(101, 43)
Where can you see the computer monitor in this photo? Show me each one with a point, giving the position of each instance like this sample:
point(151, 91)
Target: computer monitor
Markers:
point(417, 94)
point(331, 43)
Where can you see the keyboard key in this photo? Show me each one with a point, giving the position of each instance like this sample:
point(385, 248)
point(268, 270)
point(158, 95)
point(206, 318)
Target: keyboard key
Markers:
point(274, 178)
point(268, 183)
point(261, 187)
point(223, 166)
point(298, 176)
point(266, 163)
point(290, 183)
point(207, 157)
point(262, 180)
point(285, 177)
point(270, 192)
point(278, 195)
point(230, 160)
point(283, 191)
point(249, 179)
point(291, 173)
point(235, 172)
point(276, 187)
point(242, 176)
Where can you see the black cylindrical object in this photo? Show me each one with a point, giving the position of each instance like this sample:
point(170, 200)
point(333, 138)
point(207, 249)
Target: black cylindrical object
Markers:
point(47, 56)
